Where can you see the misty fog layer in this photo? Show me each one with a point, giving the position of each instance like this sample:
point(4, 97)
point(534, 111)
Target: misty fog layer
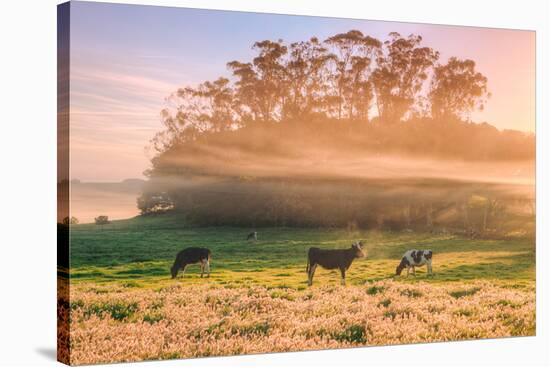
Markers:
point(415, 149)
point(347, 131)
point(115, 200)
point(415, 174)
point(350, 131)
point(322, 164)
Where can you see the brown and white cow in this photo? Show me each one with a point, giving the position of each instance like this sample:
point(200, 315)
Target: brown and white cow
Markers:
point(414, 258)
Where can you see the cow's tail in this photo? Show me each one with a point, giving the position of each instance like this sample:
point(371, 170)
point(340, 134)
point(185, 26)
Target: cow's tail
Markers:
point(307, 265)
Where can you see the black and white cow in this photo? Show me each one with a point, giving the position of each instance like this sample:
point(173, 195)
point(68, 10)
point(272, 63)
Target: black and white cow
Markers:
point(333, 259)
point(192, 255)
point(414, 258)
point(252, 236)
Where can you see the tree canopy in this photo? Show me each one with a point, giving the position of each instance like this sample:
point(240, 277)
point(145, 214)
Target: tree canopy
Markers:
point(297, 134)
point(347, 77)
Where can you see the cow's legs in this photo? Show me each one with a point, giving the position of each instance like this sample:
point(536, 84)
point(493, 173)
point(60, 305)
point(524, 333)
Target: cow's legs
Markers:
point(343, 273)
point(183, 270)
point(202, 268)
point(408, 270)
point(430, 267)
point(414, 271)
point(207, 266)
point(310, 274)
point(312, 268)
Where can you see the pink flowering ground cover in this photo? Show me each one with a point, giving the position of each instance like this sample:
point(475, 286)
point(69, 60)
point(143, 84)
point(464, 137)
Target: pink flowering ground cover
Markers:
point(112, 323)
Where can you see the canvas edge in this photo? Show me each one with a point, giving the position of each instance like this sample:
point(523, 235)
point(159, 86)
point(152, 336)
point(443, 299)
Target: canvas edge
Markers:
point(63, 205)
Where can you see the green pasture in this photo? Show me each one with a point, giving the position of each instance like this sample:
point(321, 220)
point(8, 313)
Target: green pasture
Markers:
point(138, 253)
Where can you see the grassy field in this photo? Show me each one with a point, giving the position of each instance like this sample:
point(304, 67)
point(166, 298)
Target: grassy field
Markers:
point(257, 299)
point(139, 252)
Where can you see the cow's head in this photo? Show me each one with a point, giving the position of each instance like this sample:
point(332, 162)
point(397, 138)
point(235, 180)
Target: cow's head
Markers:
point(399, 269)
point(174, 271)
point(358, 247)
point(402, 265)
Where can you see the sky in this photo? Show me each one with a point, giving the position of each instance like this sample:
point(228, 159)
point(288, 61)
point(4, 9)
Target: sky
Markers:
point(126, 59)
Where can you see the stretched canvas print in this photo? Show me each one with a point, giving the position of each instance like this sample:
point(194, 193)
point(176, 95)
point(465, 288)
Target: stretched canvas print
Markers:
point(233, 183)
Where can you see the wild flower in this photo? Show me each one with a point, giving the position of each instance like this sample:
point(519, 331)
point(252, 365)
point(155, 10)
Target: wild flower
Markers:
point(132, 324)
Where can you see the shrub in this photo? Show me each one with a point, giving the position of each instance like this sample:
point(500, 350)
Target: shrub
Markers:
point(77, 304)
point(117, 311)
point(412, 293)
point(519, 326)
point(506, 303)
point(385, 302)
point(282, 295)
point(464, 293)
point(463, 312)
point(352, 334)
point(261, 328)
point(71, 220)
point(151, 319)
point(102, 219)
point(374, 290)
point(150, 203)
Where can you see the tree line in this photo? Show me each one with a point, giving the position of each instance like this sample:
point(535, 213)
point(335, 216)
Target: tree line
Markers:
point(266, 144)
point(435, 205)
point(349, 77)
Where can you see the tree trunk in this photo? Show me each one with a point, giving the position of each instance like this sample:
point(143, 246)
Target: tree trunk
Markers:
point(429, 219)
point(466, 218)
point(485, 212)
point(407, 213)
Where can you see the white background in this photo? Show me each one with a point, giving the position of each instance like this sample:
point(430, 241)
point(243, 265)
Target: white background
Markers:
point(28, 182)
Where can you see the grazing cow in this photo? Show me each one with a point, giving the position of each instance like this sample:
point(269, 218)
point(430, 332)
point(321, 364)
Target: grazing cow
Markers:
point(192, 255)
point(333, 259)
point(252, 235)
point(413, 258)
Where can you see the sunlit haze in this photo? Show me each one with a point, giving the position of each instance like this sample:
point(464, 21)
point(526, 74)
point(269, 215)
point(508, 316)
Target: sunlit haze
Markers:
point(125, 60)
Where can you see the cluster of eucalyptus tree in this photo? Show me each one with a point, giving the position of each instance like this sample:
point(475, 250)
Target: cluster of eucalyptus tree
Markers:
point(349, 77)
